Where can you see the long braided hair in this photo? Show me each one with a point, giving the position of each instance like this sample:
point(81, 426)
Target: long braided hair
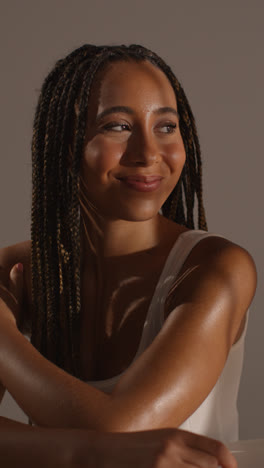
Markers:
point(55, 221)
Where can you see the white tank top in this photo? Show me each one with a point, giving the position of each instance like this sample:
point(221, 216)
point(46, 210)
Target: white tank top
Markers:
point(217, 416)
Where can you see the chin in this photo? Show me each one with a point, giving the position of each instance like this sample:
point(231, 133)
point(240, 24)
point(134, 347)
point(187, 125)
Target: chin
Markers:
point(139, 215)
point(135, 211)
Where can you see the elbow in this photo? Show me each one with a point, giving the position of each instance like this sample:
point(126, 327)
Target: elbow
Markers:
point(122, 418)
point(119, 418)
point(118, 423)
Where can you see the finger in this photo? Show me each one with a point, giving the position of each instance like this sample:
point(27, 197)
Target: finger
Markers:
point(200, 459)
point(16, 281)
point(212, 447)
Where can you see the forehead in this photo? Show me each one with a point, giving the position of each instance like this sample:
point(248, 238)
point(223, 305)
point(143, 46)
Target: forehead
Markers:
point(132, 84)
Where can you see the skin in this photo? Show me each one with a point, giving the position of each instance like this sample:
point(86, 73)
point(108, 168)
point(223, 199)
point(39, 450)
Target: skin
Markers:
point(166, 448)
point(124, 226)
point(62, 448)
point(141, 140)
point(217, 286)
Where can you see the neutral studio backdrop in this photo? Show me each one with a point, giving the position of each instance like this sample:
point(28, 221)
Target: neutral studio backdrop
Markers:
point(216, 51)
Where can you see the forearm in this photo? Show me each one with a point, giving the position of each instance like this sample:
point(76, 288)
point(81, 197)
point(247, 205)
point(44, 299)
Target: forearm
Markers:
point(22, 445)
point(48, 395)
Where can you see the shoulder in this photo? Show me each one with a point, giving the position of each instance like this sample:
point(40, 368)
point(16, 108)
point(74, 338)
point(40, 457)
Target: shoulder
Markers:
point(216, 266)
point(9, 256)
point(230, 264)
point(221, 254)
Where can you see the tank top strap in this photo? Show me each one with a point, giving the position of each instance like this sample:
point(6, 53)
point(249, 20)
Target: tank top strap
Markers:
point(175, 260)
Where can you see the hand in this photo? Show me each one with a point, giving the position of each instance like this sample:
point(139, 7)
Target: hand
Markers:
point(11, 293)
point(164, 448)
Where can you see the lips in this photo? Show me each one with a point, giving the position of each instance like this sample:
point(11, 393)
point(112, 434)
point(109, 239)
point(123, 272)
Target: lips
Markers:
point(143, 179)
point(142, 183)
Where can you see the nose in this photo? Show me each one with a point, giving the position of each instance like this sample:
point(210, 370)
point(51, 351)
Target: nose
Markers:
point(142, 148)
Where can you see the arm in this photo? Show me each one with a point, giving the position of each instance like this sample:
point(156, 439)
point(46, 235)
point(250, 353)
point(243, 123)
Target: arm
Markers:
point(15, 302)
point(21, 445)
point(156, 391)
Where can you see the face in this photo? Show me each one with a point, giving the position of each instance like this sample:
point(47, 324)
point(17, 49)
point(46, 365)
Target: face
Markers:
point(133, 130)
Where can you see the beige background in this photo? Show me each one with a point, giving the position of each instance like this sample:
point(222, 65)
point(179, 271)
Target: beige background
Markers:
point(216, 50)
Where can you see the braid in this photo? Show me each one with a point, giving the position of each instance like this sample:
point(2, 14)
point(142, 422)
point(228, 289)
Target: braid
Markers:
point(55, 212)
point(55, 208)
point(74, 300)
point(191, 177)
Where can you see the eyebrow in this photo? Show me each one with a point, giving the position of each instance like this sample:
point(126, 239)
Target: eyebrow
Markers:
point(128, 110)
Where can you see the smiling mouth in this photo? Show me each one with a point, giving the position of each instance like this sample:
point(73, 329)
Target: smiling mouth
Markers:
point(140, 185)
point(142, 178)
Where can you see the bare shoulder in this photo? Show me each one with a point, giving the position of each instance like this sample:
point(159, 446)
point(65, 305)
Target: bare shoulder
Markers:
point(216, 266)
point(9, 256)
point(220, 254)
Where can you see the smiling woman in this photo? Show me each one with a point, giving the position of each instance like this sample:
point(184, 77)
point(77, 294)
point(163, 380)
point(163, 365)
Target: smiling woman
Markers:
point(140, 139)
point(124, 298)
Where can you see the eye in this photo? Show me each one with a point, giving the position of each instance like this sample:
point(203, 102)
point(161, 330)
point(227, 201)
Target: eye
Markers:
point(167, 128)
point(116, 127)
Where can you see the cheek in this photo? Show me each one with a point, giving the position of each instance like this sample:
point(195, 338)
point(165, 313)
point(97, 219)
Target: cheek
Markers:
point(101, 155)
point(175, 155)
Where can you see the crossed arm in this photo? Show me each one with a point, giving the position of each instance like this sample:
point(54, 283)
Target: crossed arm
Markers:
point(156, 391)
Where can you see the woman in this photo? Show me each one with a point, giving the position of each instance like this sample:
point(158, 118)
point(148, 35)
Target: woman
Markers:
point(123, 297)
